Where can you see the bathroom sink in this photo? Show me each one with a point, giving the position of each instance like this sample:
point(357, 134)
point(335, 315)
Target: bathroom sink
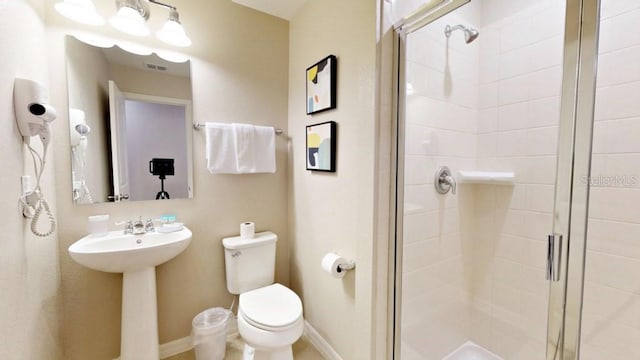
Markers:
point(120, 253)
point(135, 256)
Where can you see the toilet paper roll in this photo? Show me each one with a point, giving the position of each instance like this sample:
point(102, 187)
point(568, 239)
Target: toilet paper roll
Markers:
point(247, 230)
point(330, 264)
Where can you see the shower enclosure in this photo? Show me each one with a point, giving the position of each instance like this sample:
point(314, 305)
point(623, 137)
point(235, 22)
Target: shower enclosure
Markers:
point(518, 181)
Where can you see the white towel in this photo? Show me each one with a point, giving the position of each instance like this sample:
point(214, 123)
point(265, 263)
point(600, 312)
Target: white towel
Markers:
point(220, 148)
point(245, 149)
point(264, 147)
point(240, 149)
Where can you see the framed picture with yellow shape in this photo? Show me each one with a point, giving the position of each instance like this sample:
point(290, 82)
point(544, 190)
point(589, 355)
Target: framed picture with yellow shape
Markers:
point(321, 147)
point(321, 85)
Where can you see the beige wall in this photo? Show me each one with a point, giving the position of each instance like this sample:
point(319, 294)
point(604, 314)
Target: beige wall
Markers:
point(87, 76)
point(333, 212)
point(239, 69)
point(29, 275)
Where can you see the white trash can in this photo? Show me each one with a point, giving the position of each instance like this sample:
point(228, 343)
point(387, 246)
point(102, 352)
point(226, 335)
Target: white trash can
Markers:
point(209, 333)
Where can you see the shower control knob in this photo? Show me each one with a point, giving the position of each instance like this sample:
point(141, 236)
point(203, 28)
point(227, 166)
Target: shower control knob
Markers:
point(444, 181)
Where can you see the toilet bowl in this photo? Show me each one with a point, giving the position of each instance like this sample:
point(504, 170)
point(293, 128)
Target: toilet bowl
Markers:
point(269, 315)
point(270, 321)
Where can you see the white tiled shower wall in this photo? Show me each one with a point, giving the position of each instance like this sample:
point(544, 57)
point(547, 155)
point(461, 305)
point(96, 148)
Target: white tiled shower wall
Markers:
point(611, 313)
point(474, 262)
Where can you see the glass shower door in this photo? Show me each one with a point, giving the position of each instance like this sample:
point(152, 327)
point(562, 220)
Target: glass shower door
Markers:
point(471, 265)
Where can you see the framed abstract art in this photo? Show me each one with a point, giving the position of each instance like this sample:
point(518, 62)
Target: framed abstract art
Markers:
point(321, 85)
point(321, 147)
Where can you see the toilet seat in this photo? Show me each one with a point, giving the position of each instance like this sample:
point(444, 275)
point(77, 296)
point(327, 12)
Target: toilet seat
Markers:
point(273, 308)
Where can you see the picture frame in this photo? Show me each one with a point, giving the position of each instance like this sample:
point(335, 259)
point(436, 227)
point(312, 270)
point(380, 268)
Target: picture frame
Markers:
point(321, 80)
point(320, 146)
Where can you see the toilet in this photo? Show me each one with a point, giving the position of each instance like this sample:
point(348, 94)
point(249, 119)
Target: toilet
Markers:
point(269, 315)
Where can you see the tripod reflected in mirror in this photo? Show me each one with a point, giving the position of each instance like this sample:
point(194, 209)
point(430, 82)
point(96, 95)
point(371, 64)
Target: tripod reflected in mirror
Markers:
point(162, 168)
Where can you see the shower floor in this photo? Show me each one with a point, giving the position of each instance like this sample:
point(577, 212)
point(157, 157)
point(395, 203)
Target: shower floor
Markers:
point(471, 351)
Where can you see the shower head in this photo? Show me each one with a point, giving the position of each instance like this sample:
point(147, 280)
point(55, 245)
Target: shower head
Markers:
point(470, 33)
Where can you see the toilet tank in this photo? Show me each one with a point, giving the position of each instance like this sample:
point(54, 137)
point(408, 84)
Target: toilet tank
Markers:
point(250, 263)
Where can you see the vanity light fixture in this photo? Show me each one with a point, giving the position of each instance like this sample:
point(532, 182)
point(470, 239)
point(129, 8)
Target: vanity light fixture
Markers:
point(172, 31)
point(131, 18)
point(82, 11)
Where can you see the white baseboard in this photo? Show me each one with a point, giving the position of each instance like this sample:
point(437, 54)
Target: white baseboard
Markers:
point(179, 346)
point(175, 347)
point(323, 347)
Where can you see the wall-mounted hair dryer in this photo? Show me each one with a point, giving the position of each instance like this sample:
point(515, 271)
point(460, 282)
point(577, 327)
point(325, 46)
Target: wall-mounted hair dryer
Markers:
point(79, 131)
point(78, 127)
point(34, 115)
point(33, 112)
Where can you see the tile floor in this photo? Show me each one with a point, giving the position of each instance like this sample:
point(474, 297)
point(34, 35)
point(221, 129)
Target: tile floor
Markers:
point(302, 350)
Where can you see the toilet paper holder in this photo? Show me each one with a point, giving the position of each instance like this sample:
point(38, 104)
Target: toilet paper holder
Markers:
point(349, 265)
point(336, 265)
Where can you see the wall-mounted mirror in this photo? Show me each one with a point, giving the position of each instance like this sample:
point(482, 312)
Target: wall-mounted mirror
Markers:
point(130, 125)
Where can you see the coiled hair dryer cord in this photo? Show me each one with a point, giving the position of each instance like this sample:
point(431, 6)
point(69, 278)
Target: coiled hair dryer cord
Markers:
point(41, 206)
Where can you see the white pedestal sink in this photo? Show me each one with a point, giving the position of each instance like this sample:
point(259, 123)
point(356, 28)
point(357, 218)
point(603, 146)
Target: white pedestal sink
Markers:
point(136, 256)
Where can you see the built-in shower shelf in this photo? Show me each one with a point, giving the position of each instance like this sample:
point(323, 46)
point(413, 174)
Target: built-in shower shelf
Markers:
point(411, 208)
point(486, 177)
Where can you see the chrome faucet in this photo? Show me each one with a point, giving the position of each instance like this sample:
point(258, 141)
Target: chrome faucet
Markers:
point(444, 181)
point(137, 227)
point(148, 227)
point(128, 227)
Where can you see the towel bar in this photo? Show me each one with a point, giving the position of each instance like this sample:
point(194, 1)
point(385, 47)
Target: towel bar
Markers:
point(198, 126)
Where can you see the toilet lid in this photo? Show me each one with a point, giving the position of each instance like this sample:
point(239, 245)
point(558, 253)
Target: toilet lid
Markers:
point(272, 306)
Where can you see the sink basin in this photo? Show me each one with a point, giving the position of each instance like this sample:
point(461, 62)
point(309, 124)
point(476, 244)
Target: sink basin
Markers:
point(119, 253)
point(135, 256)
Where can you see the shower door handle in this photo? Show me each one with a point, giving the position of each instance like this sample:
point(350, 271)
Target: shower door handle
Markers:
point(554, 257)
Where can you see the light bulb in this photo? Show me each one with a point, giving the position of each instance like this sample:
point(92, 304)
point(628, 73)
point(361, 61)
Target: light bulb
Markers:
point(129, 20)
point(82, 11)
point(173, 33)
